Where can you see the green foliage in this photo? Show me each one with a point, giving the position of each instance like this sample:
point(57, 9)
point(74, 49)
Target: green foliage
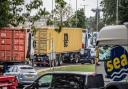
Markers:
point(60, 11)
point(109, 11)
point(60, 3)
point(49, 22)
point(34, 30)
point(35, 4)
point(81, 20)
point(11, 11)
point(58, 29)
point(79, 68)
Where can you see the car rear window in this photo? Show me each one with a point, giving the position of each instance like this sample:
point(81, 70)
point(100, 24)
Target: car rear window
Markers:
point(65, 81)
point(26, 68)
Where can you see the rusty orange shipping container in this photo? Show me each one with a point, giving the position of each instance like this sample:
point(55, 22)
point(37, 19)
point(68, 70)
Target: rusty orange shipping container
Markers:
point(12, 44)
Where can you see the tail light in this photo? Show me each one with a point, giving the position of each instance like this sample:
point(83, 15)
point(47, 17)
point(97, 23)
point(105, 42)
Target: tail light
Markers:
point(82, 45)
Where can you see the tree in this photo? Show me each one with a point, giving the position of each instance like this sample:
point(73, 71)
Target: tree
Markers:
point(81, 22)
point(61, 12)
point(81, 19)
point(109, 11)
point(11, 11)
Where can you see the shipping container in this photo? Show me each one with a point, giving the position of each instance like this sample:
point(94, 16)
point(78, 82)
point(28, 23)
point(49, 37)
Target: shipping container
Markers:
point(68, 40)
point(53, 44)
point(13, 44)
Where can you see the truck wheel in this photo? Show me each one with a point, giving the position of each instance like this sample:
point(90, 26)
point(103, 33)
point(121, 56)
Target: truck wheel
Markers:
point(92, 61)
point(82, 62)
point(60, 62)
point(76, 60)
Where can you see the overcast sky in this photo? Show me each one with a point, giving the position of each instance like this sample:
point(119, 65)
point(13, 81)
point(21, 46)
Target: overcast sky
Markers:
point(90, 4)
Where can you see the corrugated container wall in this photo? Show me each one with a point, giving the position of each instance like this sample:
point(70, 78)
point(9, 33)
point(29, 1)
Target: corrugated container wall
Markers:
point(48, 40)
point(12, 45)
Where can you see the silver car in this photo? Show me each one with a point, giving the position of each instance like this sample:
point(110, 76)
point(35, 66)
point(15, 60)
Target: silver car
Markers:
point(25, 74)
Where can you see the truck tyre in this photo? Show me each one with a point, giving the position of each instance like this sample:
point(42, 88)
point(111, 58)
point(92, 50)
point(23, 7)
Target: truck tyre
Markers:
point(82, 62)
point(117, 85)
point(92, 61)
point(60, 62)
point(76, 60)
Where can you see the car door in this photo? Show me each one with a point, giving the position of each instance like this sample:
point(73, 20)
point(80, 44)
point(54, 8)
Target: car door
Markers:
point(43, 82)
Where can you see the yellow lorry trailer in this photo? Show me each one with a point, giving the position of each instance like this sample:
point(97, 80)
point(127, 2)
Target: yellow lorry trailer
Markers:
point(61, 47)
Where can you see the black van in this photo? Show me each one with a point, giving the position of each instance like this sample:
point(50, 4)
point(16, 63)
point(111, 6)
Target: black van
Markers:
point(68, 80)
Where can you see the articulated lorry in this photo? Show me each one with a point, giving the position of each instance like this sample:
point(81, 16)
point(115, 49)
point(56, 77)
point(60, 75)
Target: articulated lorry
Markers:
point(50, 45)
point(112, 56)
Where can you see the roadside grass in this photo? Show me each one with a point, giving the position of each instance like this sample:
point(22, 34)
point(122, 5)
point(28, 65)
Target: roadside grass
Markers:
point(79, 68)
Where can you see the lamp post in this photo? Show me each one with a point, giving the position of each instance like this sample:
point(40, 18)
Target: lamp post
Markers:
point(52, 13)
point(117, 11)
point(84, 10)
point(76, 13)
point(97, 17)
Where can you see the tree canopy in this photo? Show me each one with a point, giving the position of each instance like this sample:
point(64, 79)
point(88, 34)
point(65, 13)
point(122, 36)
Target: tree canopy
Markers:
point(12, 11)
point(81, 19)
point(61, 12)
point(109, 11)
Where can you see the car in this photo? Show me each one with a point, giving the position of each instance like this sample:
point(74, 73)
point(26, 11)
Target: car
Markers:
point(68, 80)
point(25, 74)
point(87, 56)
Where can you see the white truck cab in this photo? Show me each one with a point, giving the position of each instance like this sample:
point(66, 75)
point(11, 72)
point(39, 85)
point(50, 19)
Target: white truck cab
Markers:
point(112, 56)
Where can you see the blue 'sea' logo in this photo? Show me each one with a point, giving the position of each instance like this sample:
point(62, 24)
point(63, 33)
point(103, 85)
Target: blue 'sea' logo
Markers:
point(117, 67)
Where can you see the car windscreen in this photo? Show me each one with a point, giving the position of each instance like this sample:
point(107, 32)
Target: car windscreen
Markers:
point(65, 81)
point(27, 70)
